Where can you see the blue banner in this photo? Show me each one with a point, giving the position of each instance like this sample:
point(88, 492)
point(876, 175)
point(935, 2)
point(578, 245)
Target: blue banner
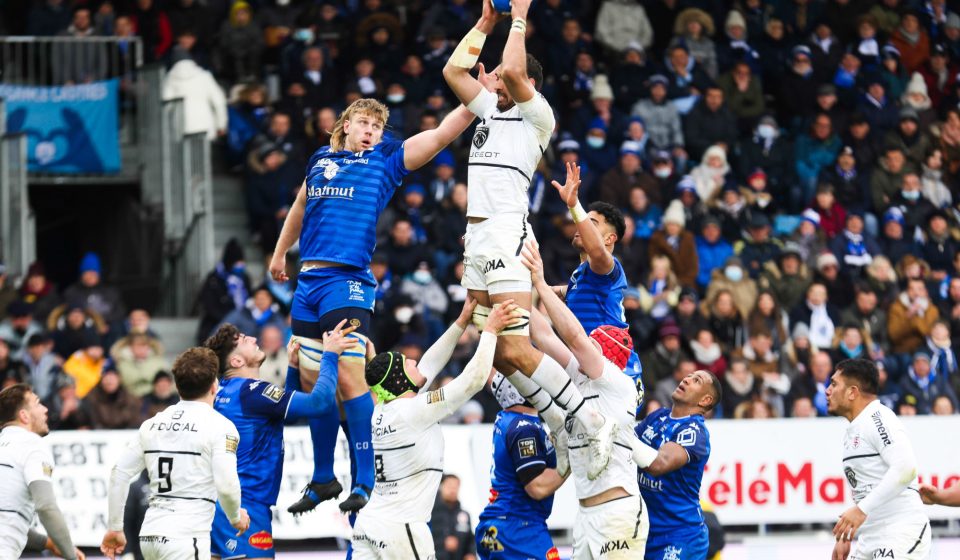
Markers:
point(70, 129)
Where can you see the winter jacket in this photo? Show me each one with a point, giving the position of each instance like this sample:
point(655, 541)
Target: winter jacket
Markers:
point(204, 105)
point(788, 290)
point(925, 391)
point(683, 260)
point(744, 104)
point(744, 292)
point(662, 122)
point(776, 159)
point(711, 256)
point(908, 333)
point(704, 128)
point(119, 411)
point(754, 255)
point(451, 521)
point(620, 22)
point(885, 184)
point(812, 154)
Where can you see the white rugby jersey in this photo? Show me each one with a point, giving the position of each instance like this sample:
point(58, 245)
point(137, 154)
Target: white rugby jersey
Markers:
point(504, 153)
point(186, 449)
point(24, 458)
point(874, 441)
point(615, 396)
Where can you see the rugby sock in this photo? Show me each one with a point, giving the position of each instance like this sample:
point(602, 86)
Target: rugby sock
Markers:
point(540, 399)
point(323, 434)
point(554, 380)
point(359, 411)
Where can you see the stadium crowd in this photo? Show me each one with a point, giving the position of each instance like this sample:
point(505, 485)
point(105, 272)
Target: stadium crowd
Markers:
point(788, 172)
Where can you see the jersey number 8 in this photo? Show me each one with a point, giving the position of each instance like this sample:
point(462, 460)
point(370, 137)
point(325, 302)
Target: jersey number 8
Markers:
point(164, 467)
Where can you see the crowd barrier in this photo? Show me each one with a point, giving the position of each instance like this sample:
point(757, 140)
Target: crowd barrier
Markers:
point(760, 472)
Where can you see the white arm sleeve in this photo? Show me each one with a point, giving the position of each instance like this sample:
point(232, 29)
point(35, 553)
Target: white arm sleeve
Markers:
point(901, 463)
point(437, 356)
point(128, 466)
point(433, 406)
point(537, 111)
point(483, 104)
point(225, 472)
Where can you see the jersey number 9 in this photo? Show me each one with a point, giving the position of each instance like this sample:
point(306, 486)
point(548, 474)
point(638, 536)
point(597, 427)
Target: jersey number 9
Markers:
point(164, 467)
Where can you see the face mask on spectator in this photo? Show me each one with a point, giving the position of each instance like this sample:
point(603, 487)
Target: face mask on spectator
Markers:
point(422, 276)
point(395, 98)
point(766, 131)
point(403, 314)
point(596, 142)
point(911, 195)
point(663, 171)
point(733, 273)
point(304, 35)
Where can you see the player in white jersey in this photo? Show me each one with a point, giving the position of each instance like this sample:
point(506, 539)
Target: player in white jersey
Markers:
point(190, 453)
point(515, 127)
point(408, 442)
point(26, 487)
point(888, 520)
point(612, 520)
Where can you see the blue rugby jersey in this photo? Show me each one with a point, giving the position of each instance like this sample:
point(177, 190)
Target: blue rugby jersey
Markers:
point(257, 408)
point(597, 299)
point(673, 500)
point(519, 442)
point(346, 191)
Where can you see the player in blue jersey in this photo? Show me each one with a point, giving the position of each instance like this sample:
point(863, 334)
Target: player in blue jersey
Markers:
point(670, 484)
point(347, 186)
point(595, 290)
point(523, 479)
point(258, 409)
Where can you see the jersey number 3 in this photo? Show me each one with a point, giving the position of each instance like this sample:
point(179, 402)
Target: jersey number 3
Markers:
point(164, 467)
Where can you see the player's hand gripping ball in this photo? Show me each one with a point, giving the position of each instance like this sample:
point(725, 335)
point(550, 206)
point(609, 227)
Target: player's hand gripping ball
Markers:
point(502, 6)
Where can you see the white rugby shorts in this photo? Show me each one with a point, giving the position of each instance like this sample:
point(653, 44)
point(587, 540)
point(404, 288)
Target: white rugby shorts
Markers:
point(165, 548)
point(491, 254)
point(374, 539)
point(899, 540)
point(612, 530)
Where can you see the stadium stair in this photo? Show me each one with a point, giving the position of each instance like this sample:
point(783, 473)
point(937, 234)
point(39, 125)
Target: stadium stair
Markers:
point(230, 220)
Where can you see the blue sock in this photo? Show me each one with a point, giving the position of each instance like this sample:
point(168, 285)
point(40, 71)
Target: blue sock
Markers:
point(359, 412)
point(352, 518)
point(323, 434)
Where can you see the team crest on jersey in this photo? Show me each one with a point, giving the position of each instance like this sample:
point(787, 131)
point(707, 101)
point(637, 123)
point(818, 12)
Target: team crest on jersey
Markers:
point(47, 469)
point(527, 447)
point(687, 437)
point(490, 541)
point(232, 545)
point(851, 476)
point(568, 424)
point(273, 392)
point(480, 136)
point(232, 443)
point(329, 167)
point(672, 553)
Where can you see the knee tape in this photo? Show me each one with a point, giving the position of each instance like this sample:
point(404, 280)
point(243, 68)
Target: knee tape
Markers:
point(479, 317)
point(311, 351)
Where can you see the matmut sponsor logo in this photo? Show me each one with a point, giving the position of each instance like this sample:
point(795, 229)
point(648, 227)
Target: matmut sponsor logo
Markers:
point(781, 483)
point(330, 191)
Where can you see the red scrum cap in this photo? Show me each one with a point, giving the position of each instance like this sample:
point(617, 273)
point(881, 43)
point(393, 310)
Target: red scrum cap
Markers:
point(615, 343)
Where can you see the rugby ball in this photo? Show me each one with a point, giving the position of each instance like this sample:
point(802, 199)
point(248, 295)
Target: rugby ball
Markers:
point(502, 6)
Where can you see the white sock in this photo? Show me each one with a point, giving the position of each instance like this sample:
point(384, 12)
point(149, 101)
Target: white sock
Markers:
point(555, 381)
point(552, 414)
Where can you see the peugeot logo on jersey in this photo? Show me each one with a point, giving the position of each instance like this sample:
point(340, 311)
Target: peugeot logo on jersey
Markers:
point(480, 136)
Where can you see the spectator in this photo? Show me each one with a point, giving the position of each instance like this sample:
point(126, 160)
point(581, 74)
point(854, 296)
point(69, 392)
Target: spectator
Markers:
point(239, 45)
point(600, 151)
point(797, 352)
point(694, 27)
point(758, 246)
point(724, 320)
point(18, 327)
point(819, 314)
point(878, 107)
point(260, 310)
point(666, 387)
point(744, 94)
point(911, 317)
point(798, 89)
point(911, 203)
point(710, 123)
point(274, 366)
point(138, 359)
point(892, 73)
point(739, 386)
point(912, 42)
point(866, 314)
point(712, 173)
point(813, 152)
point(677, 244)
point(403, 253)
point(110, 404)
point(910, 138)
point(712, 251)
point(78, 61)
point(274, 170)
point(48, 18)
point(686, 79)
point(887, 178)
point(601, 106)
point(38, 291)
point(85, 366)
point(851, 187)
point(768, 316)
point(894, 243)
point(850, 343)
point(43, 366)
point(162, 395)
point(660, 293)
point(803, 408)
point(153, 27)
point(943, 359)
point(65, 410)
point(787, 277)
point(943, 406)
point(866, 145)
point(629, 78)
point(939, 248)
point(660, 361)
point(813, 385)
point(11, 371)
point(616, 184)
point(619, 23)
point(429, 298)
point(225, 289)
point(939, 75)
point(450, 523)
point(770, 151)
point(810, 239)
point(854, 247)
point(932, 180)
point(763, 362)
point(93, 294)
point(925, 385)
point(838, 282)
point(661, 118)
point(73, 327)
point(915, 97)
point(735, 279)
point(707, 354)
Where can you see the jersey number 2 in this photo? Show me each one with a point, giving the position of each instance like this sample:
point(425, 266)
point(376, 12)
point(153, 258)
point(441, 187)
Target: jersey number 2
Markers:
point(164, 467)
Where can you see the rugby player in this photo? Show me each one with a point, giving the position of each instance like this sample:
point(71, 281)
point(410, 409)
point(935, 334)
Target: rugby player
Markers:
point(26, 486)
point(408, 441)
point(347, 186)
point(258, 410)
point(190, 453)
point(879, 464)
point(515, 127)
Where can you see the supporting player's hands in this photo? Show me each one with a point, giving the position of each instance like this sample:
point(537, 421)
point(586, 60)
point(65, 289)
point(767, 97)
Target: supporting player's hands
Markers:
point(113, 544)
point(929, 494)
point(242, 524)
point(489, 17)
point(569, 191)
point(530, 256)
point(293, 353)
point(466, 314)
point(841, 550)
point(849, 522)
point(278, 267)
point(337, 341)
point(502, 316)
